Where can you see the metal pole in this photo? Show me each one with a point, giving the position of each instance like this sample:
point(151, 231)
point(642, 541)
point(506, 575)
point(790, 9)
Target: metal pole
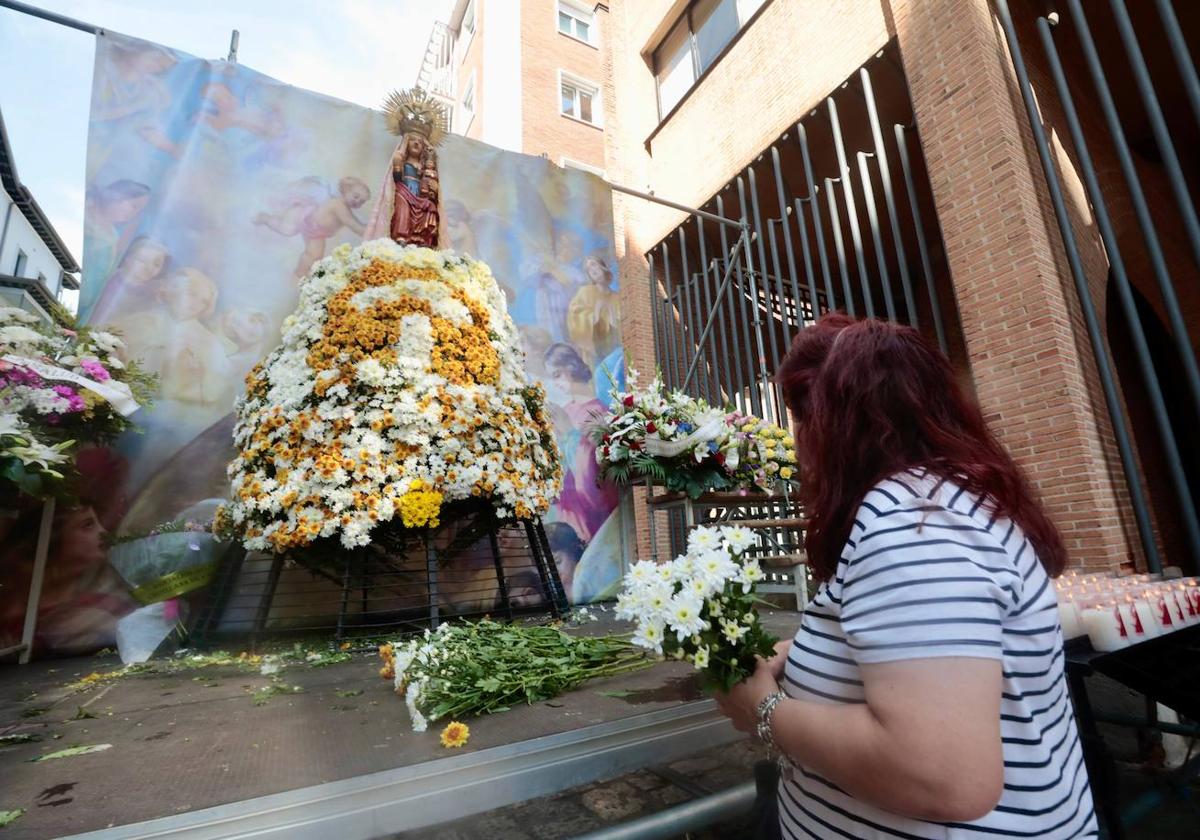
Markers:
point(673, 355)
point(654, 325)
point(922, 247)
point(762, 380)
point(885, 278)
point(233, 46)
point(1183, 59)
point(802, 223)
point(45, 527)
point(836, 223)
point(712, 217)
point(773, 242)
point(745, 384)
point(818, 232)
point(1121, 280)
point(1158, 263)
point(1103, 364)
point(787, 233)
point(715, 309)
point(761, 232)
point(851, 208)
point(889, 200)
point(63, 20)
point(689, 324)
point(1162, 137)
point(712, 314)
point(681, 819)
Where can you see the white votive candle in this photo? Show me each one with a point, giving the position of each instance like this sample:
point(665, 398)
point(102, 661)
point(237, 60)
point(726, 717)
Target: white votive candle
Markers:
point(1186, 607)
point(1068, 617)
point(1105, 628)
point(1173, 606)
point(1144, 614)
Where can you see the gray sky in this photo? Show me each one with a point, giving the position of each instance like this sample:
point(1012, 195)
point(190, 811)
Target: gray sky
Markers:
point(352, 49)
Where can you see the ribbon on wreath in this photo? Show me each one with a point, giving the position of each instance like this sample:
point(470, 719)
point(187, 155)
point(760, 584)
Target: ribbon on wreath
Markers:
point(115, 394)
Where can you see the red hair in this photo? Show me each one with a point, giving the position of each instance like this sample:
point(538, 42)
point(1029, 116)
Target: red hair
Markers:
point(870, 399)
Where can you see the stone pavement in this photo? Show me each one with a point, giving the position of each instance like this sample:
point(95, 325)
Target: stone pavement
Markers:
point(614, 801)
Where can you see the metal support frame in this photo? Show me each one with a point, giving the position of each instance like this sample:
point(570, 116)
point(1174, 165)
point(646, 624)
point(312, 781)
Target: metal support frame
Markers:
point(1137, 495)
point(1116, 262)
point(29, 629)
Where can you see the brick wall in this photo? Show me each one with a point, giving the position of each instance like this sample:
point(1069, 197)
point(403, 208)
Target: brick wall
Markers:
point(544, 52)
point(1029, 356)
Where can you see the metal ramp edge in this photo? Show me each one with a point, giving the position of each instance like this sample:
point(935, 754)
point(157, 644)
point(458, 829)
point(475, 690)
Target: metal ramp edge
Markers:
point(433, 792)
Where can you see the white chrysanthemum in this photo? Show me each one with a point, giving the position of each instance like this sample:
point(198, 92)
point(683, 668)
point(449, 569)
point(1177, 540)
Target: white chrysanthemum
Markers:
point(739, 539)
point(683, 615)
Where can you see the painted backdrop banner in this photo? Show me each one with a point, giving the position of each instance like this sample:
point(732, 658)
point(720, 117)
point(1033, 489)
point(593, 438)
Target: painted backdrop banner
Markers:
point(212, 188)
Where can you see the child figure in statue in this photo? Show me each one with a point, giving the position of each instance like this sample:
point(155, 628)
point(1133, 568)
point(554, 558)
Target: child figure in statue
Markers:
point(407, 207)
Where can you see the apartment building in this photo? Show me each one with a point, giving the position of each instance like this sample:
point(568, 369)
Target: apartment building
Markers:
point(35, 265)
point(524, 75)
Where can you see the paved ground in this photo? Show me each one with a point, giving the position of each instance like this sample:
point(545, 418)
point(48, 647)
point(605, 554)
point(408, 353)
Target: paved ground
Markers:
point(193, 739)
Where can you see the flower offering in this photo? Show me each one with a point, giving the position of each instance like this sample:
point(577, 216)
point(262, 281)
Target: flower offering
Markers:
point(398, 390)
point(1115, 612)
point(688, 445)
point(700, 606)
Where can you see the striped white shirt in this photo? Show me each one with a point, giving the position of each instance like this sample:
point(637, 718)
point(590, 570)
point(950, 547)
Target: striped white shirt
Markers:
point(928, 571)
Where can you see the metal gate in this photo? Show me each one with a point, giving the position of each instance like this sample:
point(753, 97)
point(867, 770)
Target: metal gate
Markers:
point(1098, 74)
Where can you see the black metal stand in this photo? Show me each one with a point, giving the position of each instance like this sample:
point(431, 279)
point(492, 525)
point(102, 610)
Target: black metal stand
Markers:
point(409, 581)
point(1165, 670)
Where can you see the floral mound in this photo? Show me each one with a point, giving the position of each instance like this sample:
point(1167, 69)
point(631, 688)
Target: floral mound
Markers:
point(398, 390)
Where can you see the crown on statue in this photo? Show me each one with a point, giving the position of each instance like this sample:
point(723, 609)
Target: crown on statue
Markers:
point(414, 111)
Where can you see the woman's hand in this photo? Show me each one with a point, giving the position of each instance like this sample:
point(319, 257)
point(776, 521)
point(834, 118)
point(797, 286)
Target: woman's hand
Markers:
point(740, 705)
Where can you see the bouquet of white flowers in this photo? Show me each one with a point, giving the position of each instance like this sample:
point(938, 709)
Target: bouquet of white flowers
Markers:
point(700, 606)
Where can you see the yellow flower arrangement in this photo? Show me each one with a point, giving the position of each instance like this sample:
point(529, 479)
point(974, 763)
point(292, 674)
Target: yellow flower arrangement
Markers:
point(398, 388)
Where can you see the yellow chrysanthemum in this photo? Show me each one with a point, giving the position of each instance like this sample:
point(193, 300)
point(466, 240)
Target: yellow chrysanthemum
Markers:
point(455, 734)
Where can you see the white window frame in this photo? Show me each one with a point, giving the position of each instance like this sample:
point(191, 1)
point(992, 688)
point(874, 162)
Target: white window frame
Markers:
point(580, 83)
point(570, 163)
point(467, 114)
point(464, 43)
point(23, 259)
point(579, 12)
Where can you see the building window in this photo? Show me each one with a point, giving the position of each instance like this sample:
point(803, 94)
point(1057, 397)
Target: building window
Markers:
point(580, 99)
point(695, 43)
point(468, 102)
point(577, 22)
point(468, 21)
point(19, 270)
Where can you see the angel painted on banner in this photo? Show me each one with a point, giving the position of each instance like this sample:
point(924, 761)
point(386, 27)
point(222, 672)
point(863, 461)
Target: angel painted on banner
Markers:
point(407, 207)
point(309, 208)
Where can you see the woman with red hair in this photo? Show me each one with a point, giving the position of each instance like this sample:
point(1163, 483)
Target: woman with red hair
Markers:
point(924, 694)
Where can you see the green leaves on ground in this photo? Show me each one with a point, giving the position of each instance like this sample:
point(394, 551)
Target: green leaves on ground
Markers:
point(10, 817)
point(71, 752)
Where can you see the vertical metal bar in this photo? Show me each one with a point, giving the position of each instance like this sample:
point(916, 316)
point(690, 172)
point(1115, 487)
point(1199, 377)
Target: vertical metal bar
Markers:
point(691, 326)
point(922, 245)
point(762, 378)
point(818, 232)
point(1180, 333)
point(787, 233)
point(1141, 348)
point(745, 383)
point(1103, 364)
point(673, 356)
point(836, 224)
point(772, 241)
point(1162, 138)
point(654, 324)
point(761, 230)
point(708, 325)
point(1183, 59)
point(802, 222)
point(431, 578)
point(885, 277)
point(40, 552)
point(851, 209)
point(889, 199)
point(719, 357)
point(501, 578)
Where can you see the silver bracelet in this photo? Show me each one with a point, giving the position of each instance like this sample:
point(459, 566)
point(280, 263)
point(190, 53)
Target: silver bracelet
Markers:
point(766, 710)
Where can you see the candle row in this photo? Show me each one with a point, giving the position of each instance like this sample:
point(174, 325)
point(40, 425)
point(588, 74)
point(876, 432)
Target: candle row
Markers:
point(1117, 612)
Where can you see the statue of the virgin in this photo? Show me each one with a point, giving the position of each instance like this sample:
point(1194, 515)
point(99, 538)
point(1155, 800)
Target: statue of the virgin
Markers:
point(406, 209)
